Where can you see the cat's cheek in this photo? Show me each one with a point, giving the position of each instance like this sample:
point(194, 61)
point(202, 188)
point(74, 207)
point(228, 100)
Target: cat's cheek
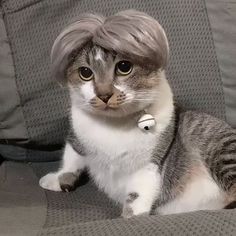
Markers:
point(87, 90)
point(120, 87)
point(129, 95)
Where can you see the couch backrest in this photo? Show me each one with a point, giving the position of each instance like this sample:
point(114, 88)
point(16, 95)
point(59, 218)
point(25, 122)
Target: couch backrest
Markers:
point(40, 105)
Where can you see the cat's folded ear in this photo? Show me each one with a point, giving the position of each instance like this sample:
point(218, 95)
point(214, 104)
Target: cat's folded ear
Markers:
point(73, 38)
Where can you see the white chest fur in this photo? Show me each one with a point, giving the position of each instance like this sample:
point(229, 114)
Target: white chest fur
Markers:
point(118, 149)
point(115, 150)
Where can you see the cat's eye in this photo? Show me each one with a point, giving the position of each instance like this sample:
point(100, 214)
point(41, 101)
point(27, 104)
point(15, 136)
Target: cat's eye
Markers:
point(124, 67)
point(85, 73)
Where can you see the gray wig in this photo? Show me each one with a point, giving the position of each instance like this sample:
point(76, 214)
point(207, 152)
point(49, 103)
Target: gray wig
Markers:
point(132, 34)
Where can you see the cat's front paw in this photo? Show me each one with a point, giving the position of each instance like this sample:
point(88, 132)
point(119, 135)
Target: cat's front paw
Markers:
point(134, 207)
point(128, 212)
point(50, 182)
point(68, 181)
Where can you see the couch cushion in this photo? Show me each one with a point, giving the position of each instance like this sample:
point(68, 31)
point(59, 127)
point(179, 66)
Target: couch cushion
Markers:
point(26, 209)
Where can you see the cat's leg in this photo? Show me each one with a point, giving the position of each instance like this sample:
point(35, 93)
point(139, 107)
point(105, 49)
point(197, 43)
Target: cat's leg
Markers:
point(222, 164)
point(67, 176)
point(142, 189)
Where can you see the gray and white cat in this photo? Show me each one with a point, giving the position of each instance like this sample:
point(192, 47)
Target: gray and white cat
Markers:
point(115, 70)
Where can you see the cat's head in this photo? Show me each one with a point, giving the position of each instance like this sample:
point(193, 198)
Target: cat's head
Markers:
point(113, 65)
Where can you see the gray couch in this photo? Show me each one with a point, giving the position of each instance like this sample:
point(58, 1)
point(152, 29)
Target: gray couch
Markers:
point(33, 117)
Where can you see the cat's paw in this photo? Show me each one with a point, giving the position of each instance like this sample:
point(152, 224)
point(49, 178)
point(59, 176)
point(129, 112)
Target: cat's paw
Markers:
point(68, 181)
point(50, 182)
point(134, 207)
point(128, 212)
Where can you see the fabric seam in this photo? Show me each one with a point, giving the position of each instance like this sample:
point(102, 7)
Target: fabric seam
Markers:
point(219, 71)
point(10, 11)
point(14, 68)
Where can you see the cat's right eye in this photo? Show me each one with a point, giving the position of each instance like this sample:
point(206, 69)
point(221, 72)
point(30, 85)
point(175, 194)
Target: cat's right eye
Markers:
point(123, 68)
point(85, 73)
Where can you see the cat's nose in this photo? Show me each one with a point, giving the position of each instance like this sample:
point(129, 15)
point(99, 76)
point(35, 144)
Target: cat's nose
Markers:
point(105, 98)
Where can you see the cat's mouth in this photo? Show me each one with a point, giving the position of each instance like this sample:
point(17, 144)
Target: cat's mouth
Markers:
point(108, 102)
point(116, 107)
point(100, 105)
point(118, 104)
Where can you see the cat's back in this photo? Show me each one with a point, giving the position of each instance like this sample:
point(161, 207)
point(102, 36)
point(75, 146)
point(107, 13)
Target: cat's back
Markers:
point(194, 122)
point(203, 158)
point(203, 131)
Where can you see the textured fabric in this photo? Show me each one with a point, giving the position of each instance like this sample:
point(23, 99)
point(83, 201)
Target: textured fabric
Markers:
point(33, 25)
point(222, 15)
point(12, 125)
point(87, 211)
point(23, 204)
point(17, 153)
point(202, 223)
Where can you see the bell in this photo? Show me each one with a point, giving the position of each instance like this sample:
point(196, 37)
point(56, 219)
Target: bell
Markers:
point(146, 121)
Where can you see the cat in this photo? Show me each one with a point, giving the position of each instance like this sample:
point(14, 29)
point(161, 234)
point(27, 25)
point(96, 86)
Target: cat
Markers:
point(114, 68)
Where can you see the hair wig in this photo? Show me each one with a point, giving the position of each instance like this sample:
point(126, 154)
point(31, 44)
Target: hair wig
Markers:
point(130, 33)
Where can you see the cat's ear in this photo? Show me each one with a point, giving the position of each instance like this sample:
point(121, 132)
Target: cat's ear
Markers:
point(74, 37)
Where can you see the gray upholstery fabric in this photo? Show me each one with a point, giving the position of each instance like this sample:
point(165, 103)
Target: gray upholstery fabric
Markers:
point(17, 153)
point(12, 124)
point(27, 210)
point(222, 15)
point(32, 26)
point(23, 205)
point(203, 223)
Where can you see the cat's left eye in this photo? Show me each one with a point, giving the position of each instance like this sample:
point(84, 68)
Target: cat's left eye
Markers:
point(85, 73)
point(124, 68)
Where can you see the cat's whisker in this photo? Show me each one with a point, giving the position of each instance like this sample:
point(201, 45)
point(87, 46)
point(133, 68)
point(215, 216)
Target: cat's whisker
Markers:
point(147, 96)
point(85, 105)
point(142, 98)
point(147, 92)
point(123, 109)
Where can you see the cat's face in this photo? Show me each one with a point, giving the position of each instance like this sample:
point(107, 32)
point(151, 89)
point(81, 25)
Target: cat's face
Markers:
point(105, 83)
